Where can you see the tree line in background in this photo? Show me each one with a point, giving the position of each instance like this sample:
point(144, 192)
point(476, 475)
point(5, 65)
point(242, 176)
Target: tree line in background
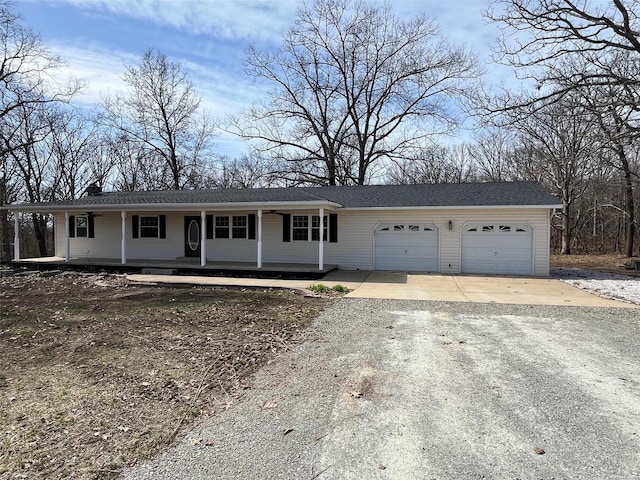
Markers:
point(357, 96)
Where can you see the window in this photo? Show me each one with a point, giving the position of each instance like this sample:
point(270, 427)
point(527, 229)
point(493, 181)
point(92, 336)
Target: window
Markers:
point(239, 227)
point(487, 228)
point(149, 227)
point(231, 227)
point(414, 228)
point(82, 227)
point(505, 228)
point(398, 228)
point(307, 227)
point(222, 227)
point(300, 227)
point(315, 228)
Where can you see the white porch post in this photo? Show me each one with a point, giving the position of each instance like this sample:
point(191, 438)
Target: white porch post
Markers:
point(67, 246)
point(203, 238)
point(259, 238)
point(321, 243)
point(123, 242)
point(16, 236)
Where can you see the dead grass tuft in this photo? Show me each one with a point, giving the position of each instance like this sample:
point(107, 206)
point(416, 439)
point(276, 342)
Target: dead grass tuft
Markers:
point(608, 263)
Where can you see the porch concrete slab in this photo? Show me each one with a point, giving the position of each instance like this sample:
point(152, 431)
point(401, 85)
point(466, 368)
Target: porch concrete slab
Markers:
point(479, 289)
point(351, 280)
point(432, 287)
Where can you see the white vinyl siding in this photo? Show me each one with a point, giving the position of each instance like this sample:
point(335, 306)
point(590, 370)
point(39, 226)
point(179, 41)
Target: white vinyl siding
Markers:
point(354, 249)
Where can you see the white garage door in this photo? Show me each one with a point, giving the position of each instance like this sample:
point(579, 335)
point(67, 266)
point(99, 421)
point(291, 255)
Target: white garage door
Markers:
point(497, 248)
point(406, 247)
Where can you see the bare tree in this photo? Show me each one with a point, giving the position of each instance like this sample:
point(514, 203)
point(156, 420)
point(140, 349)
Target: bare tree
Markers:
point(161, 113)
point(618, 135)
point(353, 86)
point(75, 147)
point(437, 164)
point(28, 82)
point(33, 160)
point(546, 39)
point(559, 150)
point(494, 155)
point(249, 171)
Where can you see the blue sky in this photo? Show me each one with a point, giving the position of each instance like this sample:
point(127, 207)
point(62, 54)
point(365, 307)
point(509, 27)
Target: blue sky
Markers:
point(208, 37)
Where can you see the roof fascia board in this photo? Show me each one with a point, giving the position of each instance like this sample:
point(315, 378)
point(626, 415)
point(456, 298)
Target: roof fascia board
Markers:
point(175, 207)
point(459, 207)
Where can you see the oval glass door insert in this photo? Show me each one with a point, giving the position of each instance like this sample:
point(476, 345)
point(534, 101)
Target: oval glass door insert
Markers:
point(193, 236)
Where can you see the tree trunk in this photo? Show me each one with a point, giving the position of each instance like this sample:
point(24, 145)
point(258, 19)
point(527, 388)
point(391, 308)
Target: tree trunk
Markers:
point(40, 229)
point(629, 206)
point(566, 235)
point(6, 237)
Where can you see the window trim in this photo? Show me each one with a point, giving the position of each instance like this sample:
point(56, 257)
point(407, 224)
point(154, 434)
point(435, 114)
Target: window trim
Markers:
point(309, 228)
point(140, 226)
point(86, 226)
point(230, 228)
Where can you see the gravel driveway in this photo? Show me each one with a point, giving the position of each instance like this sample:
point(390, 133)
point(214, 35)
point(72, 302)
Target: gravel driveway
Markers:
point(425, 390)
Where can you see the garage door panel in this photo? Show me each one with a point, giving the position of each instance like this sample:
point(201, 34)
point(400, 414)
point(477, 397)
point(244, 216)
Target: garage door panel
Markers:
point(407, 250)
point(502, 249)
point(502, 254)
point(407, 239)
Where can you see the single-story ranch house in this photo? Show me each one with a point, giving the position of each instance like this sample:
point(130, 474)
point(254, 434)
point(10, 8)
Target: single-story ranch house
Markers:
point(491, 228)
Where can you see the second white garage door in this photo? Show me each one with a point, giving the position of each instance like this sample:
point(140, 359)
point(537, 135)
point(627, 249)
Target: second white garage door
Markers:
point(406, 247)
point(500, 248)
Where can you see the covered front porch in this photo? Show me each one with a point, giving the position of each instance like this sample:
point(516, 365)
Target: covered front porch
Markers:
point(268, 239)
point(179, 266)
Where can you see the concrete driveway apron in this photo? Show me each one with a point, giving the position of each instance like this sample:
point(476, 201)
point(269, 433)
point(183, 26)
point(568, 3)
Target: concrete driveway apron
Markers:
point(480, 289)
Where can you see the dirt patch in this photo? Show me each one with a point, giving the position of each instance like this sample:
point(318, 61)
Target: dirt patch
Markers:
point(608, 263)
point(96, 373)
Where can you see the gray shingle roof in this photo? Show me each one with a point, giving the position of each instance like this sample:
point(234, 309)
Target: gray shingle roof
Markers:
point(372, 196)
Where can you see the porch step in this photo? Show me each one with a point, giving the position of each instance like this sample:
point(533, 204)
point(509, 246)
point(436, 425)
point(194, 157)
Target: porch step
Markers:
point(159, 271)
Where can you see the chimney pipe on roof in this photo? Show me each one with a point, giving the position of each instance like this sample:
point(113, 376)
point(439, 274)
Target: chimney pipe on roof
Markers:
point(93, 190)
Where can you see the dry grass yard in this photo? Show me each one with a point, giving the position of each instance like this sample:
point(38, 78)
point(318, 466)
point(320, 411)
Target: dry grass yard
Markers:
point(96, 373)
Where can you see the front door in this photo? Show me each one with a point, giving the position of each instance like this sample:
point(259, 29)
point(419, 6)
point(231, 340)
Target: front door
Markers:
point(192, 236)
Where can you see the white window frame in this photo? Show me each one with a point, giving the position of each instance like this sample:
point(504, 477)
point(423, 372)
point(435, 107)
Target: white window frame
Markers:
point(310, 228)
point(231, 226)
point(78, 227)
point(141, 226)
point(245, 227)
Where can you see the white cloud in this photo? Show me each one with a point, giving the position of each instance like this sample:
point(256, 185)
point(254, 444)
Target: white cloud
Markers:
point(252, 20)
point(223, 92)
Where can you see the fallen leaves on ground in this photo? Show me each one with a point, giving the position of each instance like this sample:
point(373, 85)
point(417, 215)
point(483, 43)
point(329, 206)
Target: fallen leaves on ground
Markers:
point(98, 373)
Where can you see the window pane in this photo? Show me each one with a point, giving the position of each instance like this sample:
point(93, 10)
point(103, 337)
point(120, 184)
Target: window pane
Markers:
point(149, 227)
point(222, 221)
point(315, 227)
point(239, 221)
point(222, 232)
point(81, 226)
point(300, 234)
point(300, 221)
